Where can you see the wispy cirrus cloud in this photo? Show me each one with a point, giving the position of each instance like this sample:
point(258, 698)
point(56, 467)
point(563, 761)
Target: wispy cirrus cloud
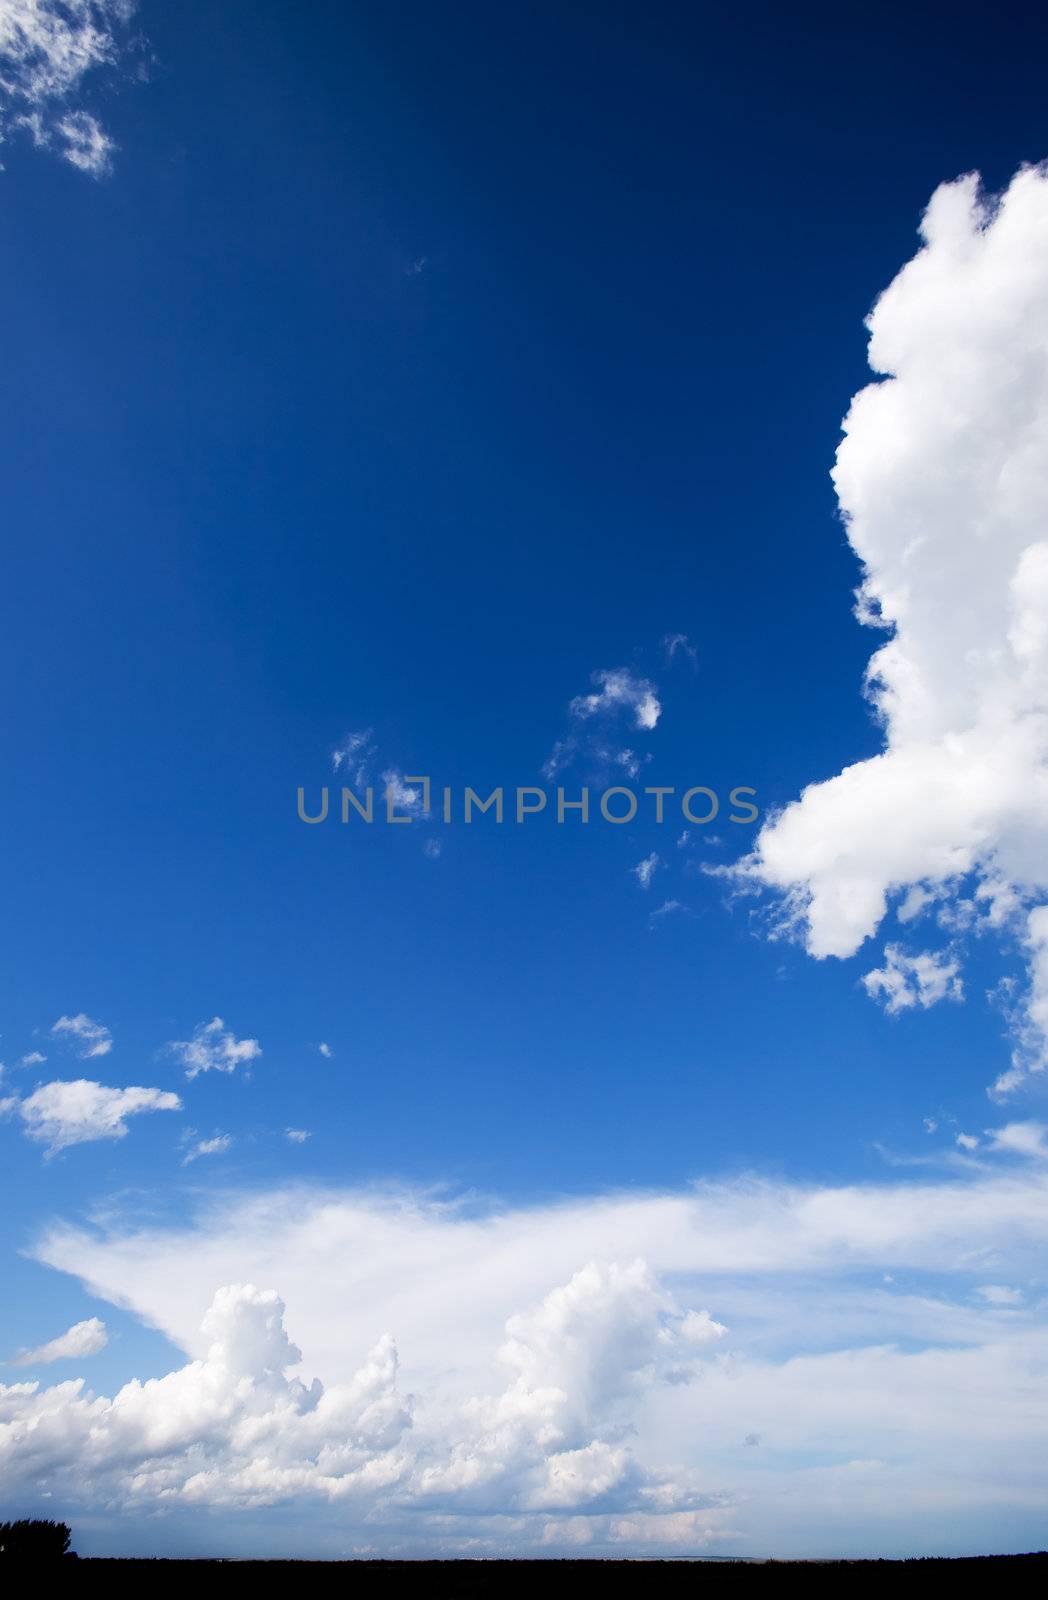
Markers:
point(83, 1339)
point(621, 703)
point(47, 49)
point(678, 644)
point(88, 1038)
point(645, 870)
point(217, 1145)
point(668, 908)
point(1000, 1294)
point(354, 757)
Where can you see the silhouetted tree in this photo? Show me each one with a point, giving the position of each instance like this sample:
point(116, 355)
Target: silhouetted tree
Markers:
point(34, 1541)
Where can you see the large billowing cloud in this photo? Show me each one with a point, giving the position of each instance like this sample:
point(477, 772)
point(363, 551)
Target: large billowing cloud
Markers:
point(235, 1429)
point(583, 1375)
point(942, 479)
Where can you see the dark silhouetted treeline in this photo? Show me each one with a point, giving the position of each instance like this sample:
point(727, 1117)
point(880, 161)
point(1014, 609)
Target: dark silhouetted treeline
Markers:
point(34, 1541)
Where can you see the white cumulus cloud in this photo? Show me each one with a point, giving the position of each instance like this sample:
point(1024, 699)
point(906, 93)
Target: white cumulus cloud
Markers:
point(1028, 1139)
point(213, 1048)
point(234, 1429)
point(918, 980)
point(942, 479)
point(66, 1113)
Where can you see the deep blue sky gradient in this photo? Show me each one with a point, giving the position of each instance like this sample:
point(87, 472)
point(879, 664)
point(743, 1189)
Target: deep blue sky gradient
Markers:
point(265, 483)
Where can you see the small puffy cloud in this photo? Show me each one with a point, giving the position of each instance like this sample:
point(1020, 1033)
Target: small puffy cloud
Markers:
point(33, 1059)
point(216, 1146)
point(47, 48)
point(998, 1294)
point(326, 1051)
point(81, 1340)
point(698, 1327)
point(619, 699)
point(619, 690)
point(644, 871)
point(931, 1125)
point(1020, 1139)
point(919, 980)
point(943, 489)
point(88, 1038)
point(213, 1048)
point(66, 1113)
point(84, 143)
point(967, 1141)
point(405, 799)
point(297, 1135)
point(433, 849)
point(355, 760)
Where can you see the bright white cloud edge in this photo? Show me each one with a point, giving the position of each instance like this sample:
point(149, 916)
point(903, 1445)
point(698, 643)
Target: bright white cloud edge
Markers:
point(942, 479)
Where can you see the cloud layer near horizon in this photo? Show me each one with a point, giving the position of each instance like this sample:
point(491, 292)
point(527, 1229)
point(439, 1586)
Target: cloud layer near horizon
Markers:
point(584, 1374)
point(942, 479)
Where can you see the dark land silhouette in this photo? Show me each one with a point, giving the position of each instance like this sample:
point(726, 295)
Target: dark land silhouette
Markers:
point(29, 1544)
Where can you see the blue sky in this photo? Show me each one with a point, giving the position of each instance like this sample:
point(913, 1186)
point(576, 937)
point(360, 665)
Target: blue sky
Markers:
point(400, 374)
